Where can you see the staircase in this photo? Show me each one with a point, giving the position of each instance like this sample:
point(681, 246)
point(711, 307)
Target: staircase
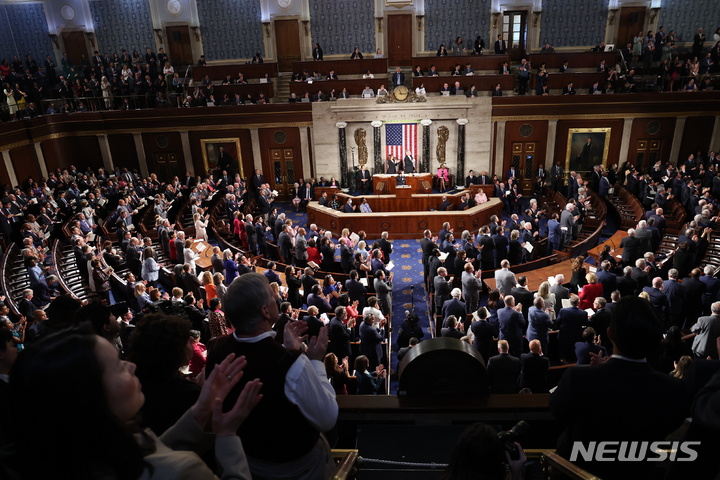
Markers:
point(282, 87)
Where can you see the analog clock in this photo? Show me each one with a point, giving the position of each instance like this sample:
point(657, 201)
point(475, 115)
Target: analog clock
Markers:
point(401, 93)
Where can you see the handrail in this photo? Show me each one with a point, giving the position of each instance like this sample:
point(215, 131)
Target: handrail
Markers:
point(346, 463)
point(551, 462)
point(58, 264)
point(12, 252)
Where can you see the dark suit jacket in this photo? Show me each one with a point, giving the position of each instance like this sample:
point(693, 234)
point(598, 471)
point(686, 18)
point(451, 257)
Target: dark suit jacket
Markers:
point(452, 333)
point(442, 290)
point(533, 372)
point(637, 403)
point(608, 281)
point(571, 323)
point(356, 291)
point(453, 307)
point(523, 296)
point(632, 250)
point(512, 326)
point(626, 286)
point(314, 325)
point(504, 370)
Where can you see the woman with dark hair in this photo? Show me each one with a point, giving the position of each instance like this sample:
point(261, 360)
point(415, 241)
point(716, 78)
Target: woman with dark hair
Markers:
point(92, 418)
point(294, 283)
point(578, 274)
point(331, 289)
point(328, 256)
point(160, 346)
point(607, 254)
point(337, 373)
point(494, 303)
point(150, 268)
point(368, 383)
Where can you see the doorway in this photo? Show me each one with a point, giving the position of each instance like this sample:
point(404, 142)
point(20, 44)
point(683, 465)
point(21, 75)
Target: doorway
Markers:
point(523, 159)
point(75, 46)
point(166, 165)
point(286, 168)
point(632, 21)
point(399, 40)
point(179, 46)
point(515, 33)
point(287, 43)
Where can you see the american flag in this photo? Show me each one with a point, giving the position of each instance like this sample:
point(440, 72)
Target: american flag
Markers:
point(400, 137)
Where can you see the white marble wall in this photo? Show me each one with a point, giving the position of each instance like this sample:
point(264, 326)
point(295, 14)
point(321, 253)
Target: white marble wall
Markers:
point(442, 111)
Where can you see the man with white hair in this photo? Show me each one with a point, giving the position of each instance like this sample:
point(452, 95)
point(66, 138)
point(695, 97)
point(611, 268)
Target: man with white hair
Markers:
point(644, 235)
point(455, 307)
point(675, 293)
point(567, 222)
point(658, 299)
point(712, 287)
point(632, 248)
point(561, 293)
point(707, 330)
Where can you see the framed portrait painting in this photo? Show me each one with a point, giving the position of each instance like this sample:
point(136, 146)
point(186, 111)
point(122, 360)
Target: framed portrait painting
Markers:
point(587, 147)
point(222, 154)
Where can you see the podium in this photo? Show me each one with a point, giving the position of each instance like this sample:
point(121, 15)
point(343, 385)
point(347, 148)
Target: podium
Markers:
point(384, 184)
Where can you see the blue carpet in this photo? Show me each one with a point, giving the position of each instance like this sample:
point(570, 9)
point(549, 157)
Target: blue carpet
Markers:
point(408, 289)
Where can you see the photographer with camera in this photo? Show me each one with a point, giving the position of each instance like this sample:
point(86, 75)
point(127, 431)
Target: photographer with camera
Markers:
point(481, 453)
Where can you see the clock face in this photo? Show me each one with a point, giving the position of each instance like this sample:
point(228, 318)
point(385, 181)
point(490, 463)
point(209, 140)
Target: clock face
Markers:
point(174, 7)
point(284, 3)
point(401, 93)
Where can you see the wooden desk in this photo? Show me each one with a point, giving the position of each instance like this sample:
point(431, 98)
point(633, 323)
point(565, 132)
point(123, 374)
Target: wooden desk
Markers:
point(244, 89)
point(447, 64)
point(614, 243)
point(488, 189)
point(354, 86)
point(330, 191)
point(581, 81)
point(415, 181)
point(203, 262)
point(249, 70)
point(536, 277)
point(576, 60)
point(483, 83)
point(404, 222)
point(344, 67)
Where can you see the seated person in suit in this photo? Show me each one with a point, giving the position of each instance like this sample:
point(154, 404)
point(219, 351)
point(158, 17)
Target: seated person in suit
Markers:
point(445, 88)
point(497, 91)
point(349, 208)
point(418, 72)
point(472, 92)
point(433, 72)
point(368, 92)
point(445, 203)
point(569, 89)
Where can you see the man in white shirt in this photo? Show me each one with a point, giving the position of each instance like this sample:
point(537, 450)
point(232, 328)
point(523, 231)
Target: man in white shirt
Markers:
point(284, 434)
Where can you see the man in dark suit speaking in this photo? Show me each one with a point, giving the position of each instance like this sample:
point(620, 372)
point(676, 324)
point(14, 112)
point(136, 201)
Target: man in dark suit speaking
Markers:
point(620, 400)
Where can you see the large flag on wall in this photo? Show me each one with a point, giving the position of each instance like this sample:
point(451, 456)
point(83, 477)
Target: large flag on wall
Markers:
point(400, 137)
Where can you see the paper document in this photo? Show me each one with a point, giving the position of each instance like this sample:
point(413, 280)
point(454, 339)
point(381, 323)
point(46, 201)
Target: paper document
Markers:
point(364, 281)
point(528, 246)
point(390, 266)
point(443, 256)
point(590, 312)
point(355, 238)
point(566, 303)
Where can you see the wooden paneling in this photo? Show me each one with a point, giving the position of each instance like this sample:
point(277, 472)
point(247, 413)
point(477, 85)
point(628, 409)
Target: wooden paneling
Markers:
point(75, 45)
point(632, 21)
point(4, 177)
point(344, 67)
point(531, 136)
point(399, 39)
point(249, 70)
point(81, 151)
point(563, 127)
point(649, 130)
point(179, 46)
point(447, 64)
point(122, 146)
point(581, 81)
point(246, 150)
point(696, 137)
point(354, 87)
point(244, 90)
point(483, 83)
point(269, 142)
point(25, 163)
point(287, 42)
point(576, 60)
point(407, 224)
point(161, 149)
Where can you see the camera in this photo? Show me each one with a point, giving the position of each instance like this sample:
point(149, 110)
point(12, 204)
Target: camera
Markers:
point(509, 437)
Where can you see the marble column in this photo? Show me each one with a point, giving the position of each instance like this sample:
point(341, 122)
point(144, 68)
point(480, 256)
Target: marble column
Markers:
point(425, 166)
point(460, 173)
point(624, 142)
point(140, 150)
point(343, 154)
point(9, 167)
point(106, 153)
point(379, 164)
point(550, 149)
point(677, 140)
point(41, 160)
point(187, 153)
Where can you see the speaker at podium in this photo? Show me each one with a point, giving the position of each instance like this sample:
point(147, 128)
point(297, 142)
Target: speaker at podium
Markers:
point(443, 367)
